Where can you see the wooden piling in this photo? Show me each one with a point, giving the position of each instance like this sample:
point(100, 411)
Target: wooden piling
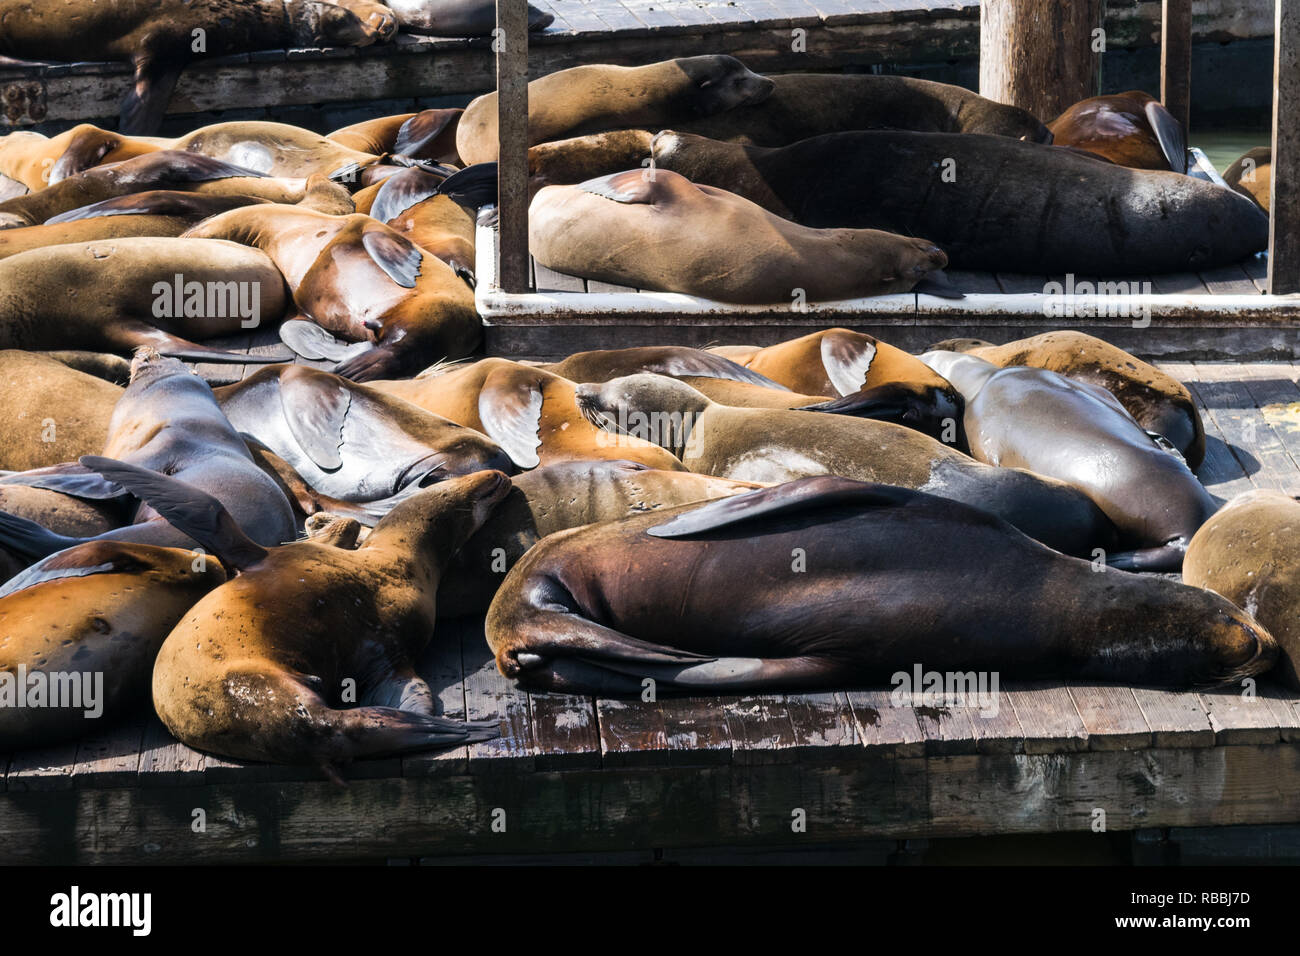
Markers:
point(511, 45)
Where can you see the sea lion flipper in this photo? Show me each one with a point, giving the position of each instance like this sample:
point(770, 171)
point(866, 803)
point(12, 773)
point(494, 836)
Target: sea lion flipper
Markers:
point(157, 202)
point(882, 403)
point(394, 253)
point(400, 191)
point(510, 408)
point(189, 509)
point(633, 186)
point(802, 494)
point(131, 335)
point(144, 107)
point(86, 150)
point(847, 358)
point(69, 478)
point(473, 187)
point(29, 539)
point(1169, 134)
point(315, 407)
point(312, 342)
point(422, 129)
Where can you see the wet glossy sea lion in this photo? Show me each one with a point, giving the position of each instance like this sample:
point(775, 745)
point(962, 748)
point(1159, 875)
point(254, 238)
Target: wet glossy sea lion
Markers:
point(260, 669)
point(438, 218)
point(1007, 206)
point(1251, 174)
point(428, 134)
point(49, 412)
point(38, 161)
point(873, 378)
point(555, 498)
point(719, 601)
point(458, 18)
point(594, 98)
point(666, 233)
point(772, 445)
point(1132, 129)
point(274, 149)
point(116, 295)
point(1250, 553)
point(1031, 418)
point(352, 442)
point(1158, 401)
point(157, 36)
point(86, 636)
point(529, 412)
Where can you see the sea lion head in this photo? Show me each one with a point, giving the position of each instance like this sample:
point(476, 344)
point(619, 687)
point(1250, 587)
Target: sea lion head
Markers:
point(329, 24)
point(438, 520)
point(148, 365)
point(651, 407)
point(720, 83)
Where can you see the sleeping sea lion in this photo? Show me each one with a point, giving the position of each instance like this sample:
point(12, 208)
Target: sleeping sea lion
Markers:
point(1251, 174)
point(438, 218)
point(38, 161)
point(1131, 129)
point(50, 412)
point(428, 134)
point(274, 149)
point(458, 18)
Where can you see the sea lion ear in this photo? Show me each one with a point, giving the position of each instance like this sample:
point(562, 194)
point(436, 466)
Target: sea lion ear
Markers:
point(315, 407)
point(510, 408)
point(847, 358)
point(630, 187)
point(802, 494)
point(1169, 134)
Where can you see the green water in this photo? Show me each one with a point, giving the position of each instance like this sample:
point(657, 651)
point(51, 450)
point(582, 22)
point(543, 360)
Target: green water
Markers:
point(1223, 146)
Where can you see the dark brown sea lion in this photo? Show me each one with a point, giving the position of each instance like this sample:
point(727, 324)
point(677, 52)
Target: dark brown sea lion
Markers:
point(773, 445)
point(990, 202)
point(664, 232)
point(50, 412)
point(1251, 174)
point(85, 637)
point(458, 18)
point(351, 442)
point(267, 666)
point(1031, 418)
point(595, 98)
point(1250, 553)
point(428, 134)
point(117, 295)
point(38, 161)
point(555, 498)
point(721, 602)
point(530, 412)
point(1158, 401)
point(158, 36)
point(1131, 129)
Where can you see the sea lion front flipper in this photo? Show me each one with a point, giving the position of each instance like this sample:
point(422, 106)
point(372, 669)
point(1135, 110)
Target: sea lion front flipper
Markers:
point(882, 403)
point(510, 408)
point(312, 342)
point(422, 129)
point(31, 540)
point(400, 191)
point(701, 364)
point(847, 358)
point(632, 186)
point(157, 202)
point(189, 509)
point(315, 407)
point(69, 478)
point(1167, 557)
point(144, 107)
point(1169, 134)
point(129, 335)
point(818, 491)
point(394, 253)
point(85, 151)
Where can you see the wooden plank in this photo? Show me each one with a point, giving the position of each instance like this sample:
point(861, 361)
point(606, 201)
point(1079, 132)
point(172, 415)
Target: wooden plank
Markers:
point(1112, 717)
point(548, 280)
point(696, 731)
point(1238, 719)
point(511, 45)
point(1275, 392)
point(1178, 283)
point(1176, 718)
point(1230, 404)
point(1285, 705)
point(1257, 268)
point(884, 727)
point(824, 727)
point(110, 758)
point(440, 666)
point(1284, 203)
point(1228, 280)
point(999, 730)
point(165, 760)
point(1048, 717)
point(1014, 283)
point(1220, 471)
point(488, 696)
point(594, 286)
point(565, 730)
point(632, 734)
point(1176, 59)
point(761, 731)
point(42, 768)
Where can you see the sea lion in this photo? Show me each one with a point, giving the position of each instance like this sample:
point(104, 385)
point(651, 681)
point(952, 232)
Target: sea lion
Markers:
point(157, 36)
point(91, 629)
point(38, 161)
point(458, 18)
point(1009, 206)
point(873, 378)
point(275, 149)
point(111, 368)
point(529, 412)
point(50, 412)
point(663, 232)
point(351, 442)
point(772, 445)
point(1131, 129)
point(1251, 174)
point(676, 361)
point(580, 158)
point(63, 514)
point(428, 135)
point(119, 294)
point(594, 98)
point(167, 420)
point(1031, 418)
point(718, 604)
point(1250, 553)
point(1158, 401)
point(555, 498)
point(259, 669)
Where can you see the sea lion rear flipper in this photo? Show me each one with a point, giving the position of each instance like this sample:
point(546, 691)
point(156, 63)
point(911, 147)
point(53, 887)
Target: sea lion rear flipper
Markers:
point(189, 509)
point(86, 150)
point(882, 403)
point(696, 362)
point(633, 186)
point(510, 408)
point(847, 358)
point(131, 335)
point(312, 342)
point(1169, 134)
point(144, 107)
point(939, 285)
point(394, 253)
point(473, 187)
point(315, 407)
point(69, 478)
point(819, 491)
point(422, 129)
point(31, 540)
point(58, 566)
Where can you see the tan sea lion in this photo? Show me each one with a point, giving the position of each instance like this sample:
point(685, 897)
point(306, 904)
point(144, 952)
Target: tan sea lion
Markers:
point(275, 149)
point(595, 98)
point(580, 158)
point(662, 232)
point(38, 161)
point(428, 134)
point(50, 412)
point(1251, 174)
point(1131, 129)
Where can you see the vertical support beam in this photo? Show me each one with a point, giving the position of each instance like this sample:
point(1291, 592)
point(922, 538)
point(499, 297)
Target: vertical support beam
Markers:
point(511, 44)
point(1176, 60)
point(1284, 220)
point(1037, 55)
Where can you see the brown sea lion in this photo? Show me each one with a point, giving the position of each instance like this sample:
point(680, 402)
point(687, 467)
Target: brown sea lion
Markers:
point(989, 202)
point(1031, 418)
point(428, 134)
point(529, 412)
point(458, 18)
point(116, 295)
point(1158, 401)
point(1250, 553)
point(555, 498)
point(77, 647)
point(274, 149)
point(718, 603)
point(1131, 129)
point(38, 161)
point(262, 668)
point(664, 232)
point(111, 368)
point(50, 412)
point(580, 158)
point(772, 445)
point(594, 98)
point(158, 36)
point(1251, 174)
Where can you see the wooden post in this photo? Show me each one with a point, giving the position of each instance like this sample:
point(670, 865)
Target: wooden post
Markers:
point(511, 43)
point(1176, 59)
point(1039, 56)
point(1284, 221)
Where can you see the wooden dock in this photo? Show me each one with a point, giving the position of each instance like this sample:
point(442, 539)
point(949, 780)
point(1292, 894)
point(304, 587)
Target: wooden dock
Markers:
point(600, 776)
